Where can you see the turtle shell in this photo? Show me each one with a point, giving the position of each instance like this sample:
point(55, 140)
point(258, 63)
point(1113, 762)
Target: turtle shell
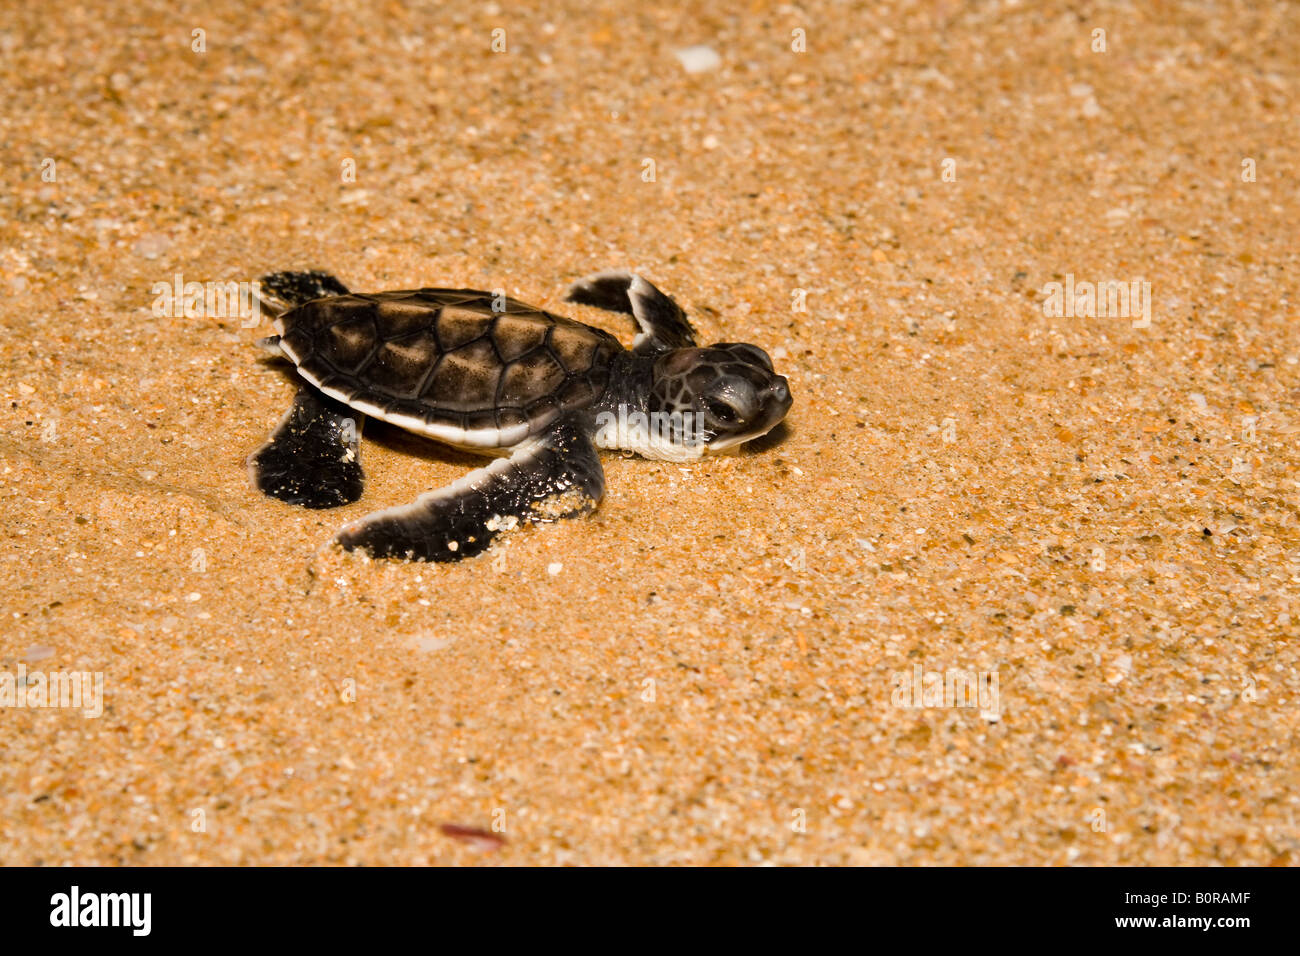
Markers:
point(444, 363)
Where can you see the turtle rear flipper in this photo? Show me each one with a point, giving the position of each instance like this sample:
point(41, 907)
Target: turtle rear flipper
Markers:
point(554, 475)
point(313, 457)
point(662, 322)
point(281, 291)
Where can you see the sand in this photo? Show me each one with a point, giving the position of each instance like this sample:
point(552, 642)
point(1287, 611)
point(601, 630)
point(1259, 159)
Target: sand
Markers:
point(1096, 511)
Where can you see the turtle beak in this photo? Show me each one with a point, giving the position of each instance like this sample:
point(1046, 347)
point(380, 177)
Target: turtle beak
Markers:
point(781, 397)
point(776, 404)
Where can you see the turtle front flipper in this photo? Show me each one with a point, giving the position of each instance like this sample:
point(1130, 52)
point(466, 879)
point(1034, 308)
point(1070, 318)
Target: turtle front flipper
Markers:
point(662, 322)
point(313, 457)
point(554, 475)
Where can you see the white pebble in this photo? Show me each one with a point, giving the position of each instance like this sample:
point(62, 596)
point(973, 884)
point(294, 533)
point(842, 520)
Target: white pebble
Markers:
point(151, 246)
point(699, 59)
point(554, 568)
point(428, 644)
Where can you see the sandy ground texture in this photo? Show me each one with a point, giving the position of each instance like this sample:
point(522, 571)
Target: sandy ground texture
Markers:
point(1090, 512)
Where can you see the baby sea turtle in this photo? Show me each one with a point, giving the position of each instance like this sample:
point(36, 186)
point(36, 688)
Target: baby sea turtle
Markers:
point(485, 373)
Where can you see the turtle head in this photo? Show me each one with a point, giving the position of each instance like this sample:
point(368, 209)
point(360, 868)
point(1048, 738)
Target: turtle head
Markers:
point(720, 396)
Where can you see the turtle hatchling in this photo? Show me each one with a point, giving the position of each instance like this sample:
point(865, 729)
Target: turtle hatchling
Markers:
point(485, 373)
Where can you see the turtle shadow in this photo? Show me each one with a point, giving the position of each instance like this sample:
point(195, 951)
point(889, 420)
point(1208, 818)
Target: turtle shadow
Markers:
point(399, 440)
point(769, 442)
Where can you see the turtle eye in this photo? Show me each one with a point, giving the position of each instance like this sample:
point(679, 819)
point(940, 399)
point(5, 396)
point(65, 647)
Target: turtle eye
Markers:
point(720, 411)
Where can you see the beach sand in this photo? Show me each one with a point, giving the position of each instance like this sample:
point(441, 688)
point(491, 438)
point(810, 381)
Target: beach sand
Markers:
point(1092, 515)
